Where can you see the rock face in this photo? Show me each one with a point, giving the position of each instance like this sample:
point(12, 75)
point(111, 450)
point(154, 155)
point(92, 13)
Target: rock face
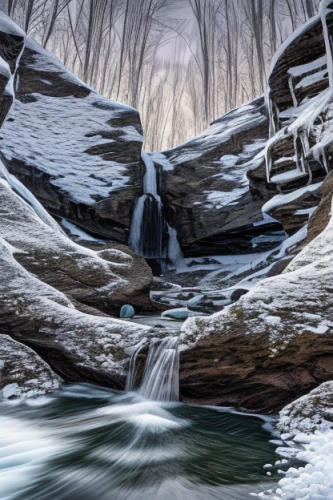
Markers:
point(49, 283)
point(22, 372)
point(312, 412)
point(273, 345)
point(102, 279)
point(214, 186)
point(276, 343)
point(76, 151)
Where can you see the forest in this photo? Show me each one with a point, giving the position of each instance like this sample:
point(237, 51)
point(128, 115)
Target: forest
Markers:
point(181, 63)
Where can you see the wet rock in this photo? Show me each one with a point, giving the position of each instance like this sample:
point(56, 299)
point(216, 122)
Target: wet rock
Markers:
point(237, 294)
point(127, 311)
point(177, 314)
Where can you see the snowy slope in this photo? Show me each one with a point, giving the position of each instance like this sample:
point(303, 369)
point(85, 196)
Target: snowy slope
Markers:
point(71, 146)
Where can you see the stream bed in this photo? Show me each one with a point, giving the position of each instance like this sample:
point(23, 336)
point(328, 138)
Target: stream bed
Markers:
point(90, 443)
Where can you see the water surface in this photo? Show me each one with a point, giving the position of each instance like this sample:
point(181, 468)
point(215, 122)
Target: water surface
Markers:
point(90, 443)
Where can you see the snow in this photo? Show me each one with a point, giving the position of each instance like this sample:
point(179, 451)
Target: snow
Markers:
point(76, 231)
point(39, 139)
point(293, 241)
point(8, 26)
point(311, 79)
point(38, 135)
point(296, 34)
point(4, 68)
point(221, 131)
point(301, 289)
point(20, 189)
point(229, 160)
point(313, 481)
point(325, 9)
point(287, 176)
point(309, 67)
point(284, 199)
point(162, 160)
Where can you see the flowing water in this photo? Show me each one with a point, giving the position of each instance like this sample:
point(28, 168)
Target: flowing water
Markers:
point(90, 443)
point(146, 234)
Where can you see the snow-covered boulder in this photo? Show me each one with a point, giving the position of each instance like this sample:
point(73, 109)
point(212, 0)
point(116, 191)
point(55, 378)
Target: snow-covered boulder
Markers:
point(78, 152)
point(311, 412)
point(102, 279)
point(22, 372)
point(273, 345)
point(79, 346)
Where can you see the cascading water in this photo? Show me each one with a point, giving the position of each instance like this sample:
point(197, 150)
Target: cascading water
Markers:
point(146, 234)
point(160, 380)
point(175, 253)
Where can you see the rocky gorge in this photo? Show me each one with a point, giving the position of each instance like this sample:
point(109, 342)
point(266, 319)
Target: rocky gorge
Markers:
point(256, 186)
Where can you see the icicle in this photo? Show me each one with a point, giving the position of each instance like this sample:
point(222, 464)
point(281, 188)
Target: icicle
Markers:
point(324, 10)
point(292, 92)
point(269, 107)
point(160, 380)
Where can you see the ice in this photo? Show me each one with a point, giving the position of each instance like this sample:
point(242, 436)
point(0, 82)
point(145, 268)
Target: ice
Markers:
point(76, 231)
point(311, 79)
point(309, 67)
point(283, 199)
point(287, 176)
point(8, 26)
point(313, 481)
point(21, 190)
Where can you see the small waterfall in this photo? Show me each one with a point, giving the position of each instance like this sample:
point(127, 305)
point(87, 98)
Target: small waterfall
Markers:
point(130, 382)
point(175, 253)
point(160, 380)
point(146, 234)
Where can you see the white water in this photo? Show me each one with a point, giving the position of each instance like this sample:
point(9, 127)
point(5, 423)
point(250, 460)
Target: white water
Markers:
point(139, 226)
point(130, 382)
point(160, 380)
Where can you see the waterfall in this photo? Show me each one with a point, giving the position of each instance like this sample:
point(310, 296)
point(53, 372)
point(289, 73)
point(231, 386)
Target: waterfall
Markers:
point(160, 380)
point(175, 253)
point(130, 382)
point(146, 234)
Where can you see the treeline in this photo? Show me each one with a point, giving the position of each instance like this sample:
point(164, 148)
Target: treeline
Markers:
point(182, 63)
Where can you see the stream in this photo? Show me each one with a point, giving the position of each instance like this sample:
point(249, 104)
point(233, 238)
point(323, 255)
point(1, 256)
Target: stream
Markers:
point(89, 443)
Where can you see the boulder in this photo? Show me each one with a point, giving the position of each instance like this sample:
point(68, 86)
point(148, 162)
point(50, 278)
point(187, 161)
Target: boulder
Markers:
point(76, 151)
point(23, 373)
point(176, 314)
point(101, 279)
point(272, 346)
point(207, 197)
point(310, 413)
point(127, 311)
point(79, 347)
